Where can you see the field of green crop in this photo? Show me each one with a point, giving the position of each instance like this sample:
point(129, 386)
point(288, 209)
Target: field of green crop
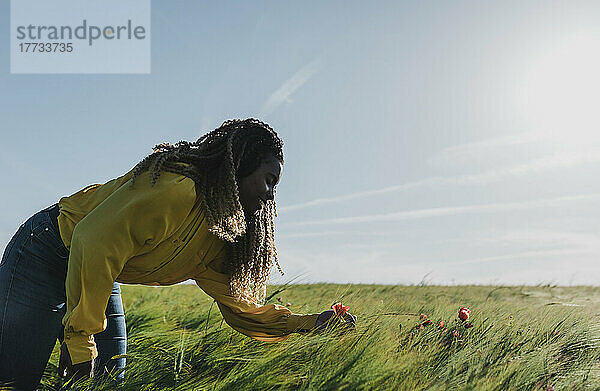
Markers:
point(523, 338)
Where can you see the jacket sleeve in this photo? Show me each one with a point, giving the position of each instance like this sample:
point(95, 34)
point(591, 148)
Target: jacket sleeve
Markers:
point(271, 323)
point(127, 223)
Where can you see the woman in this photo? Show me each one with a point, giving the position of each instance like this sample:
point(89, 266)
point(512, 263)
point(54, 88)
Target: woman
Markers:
point(201, 211)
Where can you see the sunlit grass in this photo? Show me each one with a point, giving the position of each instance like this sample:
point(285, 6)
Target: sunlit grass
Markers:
point(522, 338)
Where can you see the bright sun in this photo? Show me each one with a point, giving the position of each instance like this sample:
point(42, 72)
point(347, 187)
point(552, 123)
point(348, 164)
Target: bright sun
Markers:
point(562, 93)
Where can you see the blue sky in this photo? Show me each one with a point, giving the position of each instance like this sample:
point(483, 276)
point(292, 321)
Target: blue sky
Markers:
point(447, 141)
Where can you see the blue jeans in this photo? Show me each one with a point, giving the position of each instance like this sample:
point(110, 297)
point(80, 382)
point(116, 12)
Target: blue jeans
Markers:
point(33, 302)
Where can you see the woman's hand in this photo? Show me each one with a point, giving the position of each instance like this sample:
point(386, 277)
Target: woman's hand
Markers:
point(326, 317)
point(67, 370)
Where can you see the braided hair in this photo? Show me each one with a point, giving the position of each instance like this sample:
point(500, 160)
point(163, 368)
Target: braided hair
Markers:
point(216, 163)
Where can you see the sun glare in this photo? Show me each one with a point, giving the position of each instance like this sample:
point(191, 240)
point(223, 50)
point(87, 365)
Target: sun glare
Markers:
point(562, 92)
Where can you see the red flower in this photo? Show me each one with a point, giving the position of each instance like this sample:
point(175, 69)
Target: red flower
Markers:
point(423, 316)
point(441, 324)
point(464, 313)
point(339, 309)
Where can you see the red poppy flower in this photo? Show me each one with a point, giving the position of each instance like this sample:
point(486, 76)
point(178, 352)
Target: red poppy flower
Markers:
point(423, 316)
point(441, 324)
point(464, 313)
point(339, 309)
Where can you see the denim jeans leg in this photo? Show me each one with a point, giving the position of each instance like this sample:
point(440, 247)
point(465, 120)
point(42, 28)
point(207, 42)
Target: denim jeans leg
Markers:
point(32, 300)
point(113, 340)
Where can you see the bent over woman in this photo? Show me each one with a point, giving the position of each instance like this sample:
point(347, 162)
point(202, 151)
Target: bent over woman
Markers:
point(201, 211)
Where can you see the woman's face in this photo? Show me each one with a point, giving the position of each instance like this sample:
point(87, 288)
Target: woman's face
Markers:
point(259, 187)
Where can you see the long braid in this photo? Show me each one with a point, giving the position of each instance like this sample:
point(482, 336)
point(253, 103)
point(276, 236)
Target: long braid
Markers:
point(215, 163)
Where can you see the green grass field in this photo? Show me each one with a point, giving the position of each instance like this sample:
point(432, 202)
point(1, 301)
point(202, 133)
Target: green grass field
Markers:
point(523, 338)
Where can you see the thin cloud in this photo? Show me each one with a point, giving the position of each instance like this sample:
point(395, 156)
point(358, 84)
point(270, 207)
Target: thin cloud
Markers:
point(330, 233)
point(283, 93)
point(449, 211)
point(450, 153)
point(525, 254)
point(537, 236)
point(560, 160)
point(310, 234)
